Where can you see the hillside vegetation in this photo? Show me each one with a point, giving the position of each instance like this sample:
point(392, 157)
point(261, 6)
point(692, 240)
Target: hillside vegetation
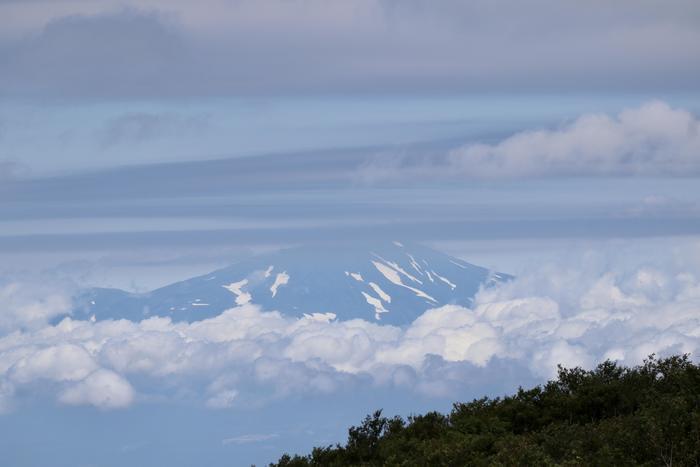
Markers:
point(610, 416)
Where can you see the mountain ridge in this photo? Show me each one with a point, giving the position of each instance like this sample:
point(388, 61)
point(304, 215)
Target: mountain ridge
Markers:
point(391, 283)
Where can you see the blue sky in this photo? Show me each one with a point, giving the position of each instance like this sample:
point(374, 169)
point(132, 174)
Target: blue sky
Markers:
point(146, 142)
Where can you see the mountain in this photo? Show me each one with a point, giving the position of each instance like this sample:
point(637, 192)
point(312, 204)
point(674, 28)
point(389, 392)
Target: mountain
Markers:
point(389, 283)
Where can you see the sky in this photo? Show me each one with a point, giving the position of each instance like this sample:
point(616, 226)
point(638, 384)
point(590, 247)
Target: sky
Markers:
point(143, 143)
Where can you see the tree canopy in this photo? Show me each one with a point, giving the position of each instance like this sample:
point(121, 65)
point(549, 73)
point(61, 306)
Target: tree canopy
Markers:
point(613, 415)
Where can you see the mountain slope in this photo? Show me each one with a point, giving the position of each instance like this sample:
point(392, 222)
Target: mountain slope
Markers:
point(388, 283)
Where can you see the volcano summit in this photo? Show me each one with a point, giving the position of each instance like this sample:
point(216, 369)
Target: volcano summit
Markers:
point(391, 283)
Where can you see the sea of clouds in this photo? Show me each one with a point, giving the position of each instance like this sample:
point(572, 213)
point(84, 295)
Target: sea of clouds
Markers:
point(576, 312)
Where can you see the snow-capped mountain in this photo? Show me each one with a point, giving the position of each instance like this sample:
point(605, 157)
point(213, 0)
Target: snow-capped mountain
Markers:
point(388, 283)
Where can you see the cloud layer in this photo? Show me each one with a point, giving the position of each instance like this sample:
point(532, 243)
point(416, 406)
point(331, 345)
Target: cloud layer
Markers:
point(571, 314)
point(652, 140)
point(249, 47)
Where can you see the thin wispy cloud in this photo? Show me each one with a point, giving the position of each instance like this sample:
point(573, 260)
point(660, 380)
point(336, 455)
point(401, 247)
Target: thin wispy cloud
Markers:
point(252, 438)
point(141, 127)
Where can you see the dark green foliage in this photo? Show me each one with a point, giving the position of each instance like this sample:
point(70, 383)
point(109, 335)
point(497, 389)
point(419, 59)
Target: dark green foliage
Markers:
point(647, 415)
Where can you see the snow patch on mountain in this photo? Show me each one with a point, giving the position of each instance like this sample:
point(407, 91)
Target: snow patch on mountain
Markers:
point(281, 279)
point(414, 264)
point(355, 275)
point(393, 276)
point(383, 295)
point(377, 304)
point(236, 288)
point(445, 280)
point(399, 269)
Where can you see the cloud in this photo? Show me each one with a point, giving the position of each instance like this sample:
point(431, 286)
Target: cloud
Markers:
point(140, 127)
point(126, 52)
point(575, 313)
point(10, 169)
point(652, 140)
point(659, 205)
point(103, 388)
point(6, 397)
point(30, 304)
point(61, 362)
point(314, 46)
point(252, 438)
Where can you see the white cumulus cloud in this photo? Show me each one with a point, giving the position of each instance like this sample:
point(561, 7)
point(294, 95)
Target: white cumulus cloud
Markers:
point(30, 304)
point(103, 388)
point(653, 139)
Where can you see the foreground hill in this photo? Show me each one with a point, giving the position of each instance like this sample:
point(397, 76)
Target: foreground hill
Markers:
point(389, 282)
point(647, 415)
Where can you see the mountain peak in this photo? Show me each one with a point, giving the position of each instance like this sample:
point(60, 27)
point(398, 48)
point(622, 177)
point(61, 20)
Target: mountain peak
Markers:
point(390, 282)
